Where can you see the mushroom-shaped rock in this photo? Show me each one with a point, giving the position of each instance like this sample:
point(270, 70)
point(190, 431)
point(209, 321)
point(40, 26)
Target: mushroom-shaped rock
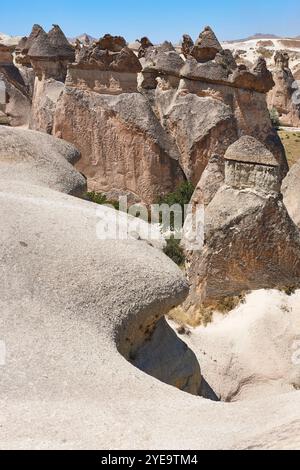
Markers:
point(248, 163)
point(207, 46)
point(42, 48)
point(259, 78)
point(249, 150)
point(59, 41)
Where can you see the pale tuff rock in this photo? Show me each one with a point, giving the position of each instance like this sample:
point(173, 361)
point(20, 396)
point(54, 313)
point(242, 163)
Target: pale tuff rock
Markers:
point(109, 71)
point(126, 148)
point(291, 192)
point(17, 96)
point(255, 344)
point(78, 313)
point(281, 96)
point(248, 232)
point(249, 164)
point(33, 157)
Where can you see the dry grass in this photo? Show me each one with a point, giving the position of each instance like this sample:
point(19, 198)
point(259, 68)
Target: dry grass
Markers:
point(291, 142)
point(204, 314)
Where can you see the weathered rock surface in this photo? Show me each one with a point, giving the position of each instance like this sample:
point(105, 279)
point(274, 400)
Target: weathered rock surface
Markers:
point(30, 156)
point(256, 344)
point(75, 313)
point(187, 45)
point(126, 148)
point(45, 97)
point(250, 240)
point(291, 193)
point(283, 96)
point(17, 95)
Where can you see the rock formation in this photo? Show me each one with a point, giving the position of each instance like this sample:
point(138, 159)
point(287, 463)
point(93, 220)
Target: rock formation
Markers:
point(15, 103)
point(291, 192)
point(49, 55)
point(81, 321)
point(250, 240)
point(206, 105)
point(37, 158)
point(207, 46)
point(145, 44)
point(126, 150)
point(187, 45)
point(283, 97)
point(199, 105)
point(255, 344)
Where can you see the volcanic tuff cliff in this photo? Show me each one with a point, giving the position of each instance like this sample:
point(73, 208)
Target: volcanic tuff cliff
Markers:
point(144, 125)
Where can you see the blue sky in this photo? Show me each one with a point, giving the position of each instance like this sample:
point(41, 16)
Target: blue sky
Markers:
point(160, 20)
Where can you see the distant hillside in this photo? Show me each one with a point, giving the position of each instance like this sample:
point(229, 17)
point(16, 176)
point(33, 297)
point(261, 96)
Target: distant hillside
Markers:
point(260, 36)
point(82, 38)
point(255, 36)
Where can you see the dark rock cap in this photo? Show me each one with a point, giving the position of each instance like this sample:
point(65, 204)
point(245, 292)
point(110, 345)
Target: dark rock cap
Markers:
point(249, 150)
point(42, 47)
point(59, 41)
point(35, 32)
point(207, 46)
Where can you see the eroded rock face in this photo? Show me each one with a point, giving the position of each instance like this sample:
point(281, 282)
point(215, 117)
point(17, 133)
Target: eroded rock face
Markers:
point(250, 240)
point(254, 344)
point(17, 96)
point(202, 106)
point(187, 45)
point(37, 158)
point(45, 97)
point(126, 148)
point(283, 97)
point(291, 193)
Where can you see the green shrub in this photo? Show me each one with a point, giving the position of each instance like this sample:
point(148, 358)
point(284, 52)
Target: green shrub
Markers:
point(101, 199)
point(181, 196)
point(274, 117)
point(174, 251)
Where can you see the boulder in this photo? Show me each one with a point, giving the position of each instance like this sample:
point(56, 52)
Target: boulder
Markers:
point(30, 156)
